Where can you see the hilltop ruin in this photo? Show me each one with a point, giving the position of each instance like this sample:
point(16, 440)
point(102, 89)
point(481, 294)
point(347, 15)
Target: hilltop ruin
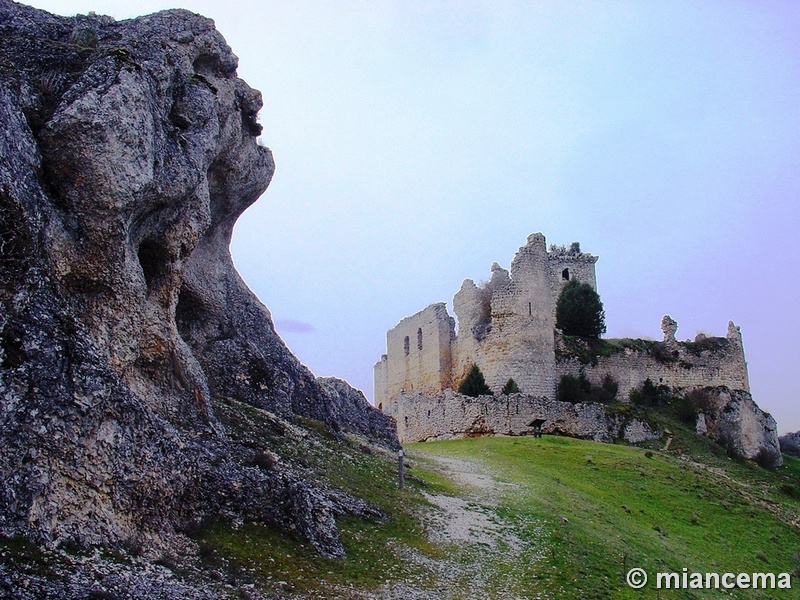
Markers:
point(507, 327)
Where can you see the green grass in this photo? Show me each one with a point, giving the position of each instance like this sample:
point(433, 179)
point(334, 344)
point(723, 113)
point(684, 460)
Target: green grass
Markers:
point(377, 550)
point(602, 509)
point(585, 511)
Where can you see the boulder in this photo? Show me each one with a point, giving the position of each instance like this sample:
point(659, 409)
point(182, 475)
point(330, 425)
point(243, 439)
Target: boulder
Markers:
point(790, 444)
point(734, 420)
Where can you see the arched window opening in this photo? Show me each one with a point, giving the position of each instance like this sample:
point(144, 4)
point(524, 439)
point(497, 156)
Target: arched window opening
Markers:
point(530, 309)
point(406, 345)
point(380, 406)
point(419, 338)
point(565, 274)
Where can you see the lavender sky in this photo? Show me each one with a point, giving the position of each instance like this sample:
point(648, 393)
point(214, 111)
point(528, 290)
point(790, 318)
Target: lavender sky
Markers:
point(417, 142)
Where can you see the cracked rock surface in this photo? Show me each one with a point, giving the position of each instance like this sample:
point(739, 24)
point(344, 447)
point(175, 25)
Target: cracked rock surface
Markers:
point(127, 152)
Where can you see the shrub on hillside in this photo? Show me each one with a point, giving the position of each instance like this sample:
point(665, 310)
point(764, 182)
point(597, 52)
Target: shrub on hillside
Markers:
point(687, 406)
point(765, 458)
point(474, 384)
point(579, 310)
point(607, 392)
point(650, 394)
point(574, 389)
point(510, 387)
point(684, 410)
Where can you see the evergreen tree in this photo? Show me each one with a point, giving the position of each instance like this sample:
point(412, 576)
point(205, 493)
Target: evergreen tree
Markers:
point(579, 310)
point(474, 384)
point(574, 389)
point(510, 387)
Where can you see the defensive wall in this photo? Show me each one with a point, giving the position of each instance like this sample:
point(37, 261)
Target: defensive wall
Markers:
point(451, 415)
point(506, 327)
point(705, 362)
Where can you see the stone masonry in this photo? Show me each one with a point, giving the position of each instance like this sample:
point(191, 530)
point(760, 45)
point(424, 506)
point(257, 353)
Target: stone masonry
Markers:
point(506, 327)
point(451, 415)
point(705, 362)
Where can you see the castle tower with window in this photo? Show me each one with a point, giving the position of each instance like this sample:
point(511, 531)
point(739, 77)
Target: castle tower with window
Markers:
point(505, 326)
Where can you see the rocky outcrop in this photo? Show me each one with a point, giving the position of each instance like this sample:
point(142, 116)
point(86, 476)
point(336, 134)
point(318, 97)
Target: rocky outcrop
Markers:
point(127, 152)
point(734, 420)
point(790, 444)
point(353, 413)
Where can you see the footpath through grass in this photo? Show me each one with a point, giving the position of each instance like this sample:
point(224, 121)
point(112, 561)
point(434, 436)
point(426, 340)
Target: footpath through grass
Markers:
point(602, 509)
point(584, 514)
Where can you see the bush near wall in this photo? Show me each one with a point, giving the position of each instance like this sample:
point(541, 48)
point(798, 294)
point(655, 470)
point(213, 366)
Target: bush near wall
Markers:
point(684, 405)
point(510, 387)
point(474, 384)
point(650, 394)
point(580, 389)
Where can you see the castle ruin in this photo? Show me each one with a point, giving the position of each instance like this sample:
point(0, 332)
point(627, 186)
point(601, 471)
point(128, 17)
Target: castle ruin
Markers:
point(507, 328)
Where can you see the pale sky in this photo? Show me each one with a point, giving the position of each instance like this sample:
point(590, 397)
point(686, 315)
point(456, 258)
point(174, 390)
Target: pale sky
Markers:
point(417, 142)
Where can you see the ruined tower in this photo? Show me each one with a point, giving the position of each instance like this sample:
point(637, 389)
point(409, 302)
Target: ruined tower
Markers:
point(505, 326)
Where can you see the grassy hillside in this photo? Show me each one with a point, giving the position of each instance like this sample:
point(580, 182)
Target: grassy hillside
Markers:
point(574, 516)
point(603, 509)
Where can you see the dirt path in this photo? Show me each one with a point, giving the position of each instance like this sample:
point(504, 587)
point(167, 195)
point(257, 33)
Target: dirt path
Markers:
point(472, 519)
point(482, 551)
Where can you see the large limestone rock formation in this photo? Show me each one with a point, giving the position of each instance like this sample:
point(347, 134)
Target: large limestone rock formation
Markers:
point(733, 419)
point(790, 444)
point(127, 152)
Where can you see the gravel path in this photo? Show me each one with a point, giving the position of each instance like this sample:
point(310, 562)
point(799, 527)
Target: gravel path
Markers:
point(471, 520)
point(482, 550)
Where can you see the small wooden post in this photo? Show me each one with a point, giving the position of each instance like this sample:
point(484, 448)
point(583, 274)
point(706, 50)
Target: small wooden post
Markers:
point(400, 467)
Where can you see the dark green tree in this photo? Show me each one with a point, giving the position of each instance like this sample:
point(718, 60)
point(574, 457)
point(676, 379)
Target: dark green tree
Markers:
point(474, 384)
point(510, 387)
point(607, 392)
point(574, 389)
point(579, 310)
point(650, 394)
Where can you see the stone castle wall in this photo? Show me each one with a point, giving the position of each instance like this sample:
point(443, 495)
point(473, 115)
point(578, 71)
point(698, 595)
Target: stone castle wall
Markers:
point(507, 327)
point(451, 415)
point(418, 357)
point(706, 362)
point(380, 382)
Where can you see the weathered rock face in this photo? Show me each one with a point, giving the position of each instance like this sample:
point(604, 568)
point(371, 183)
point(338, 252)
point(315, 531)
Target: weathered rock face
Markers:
point(734, 420)
point(354, 414)
point(790, 444)
point(127, 152)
